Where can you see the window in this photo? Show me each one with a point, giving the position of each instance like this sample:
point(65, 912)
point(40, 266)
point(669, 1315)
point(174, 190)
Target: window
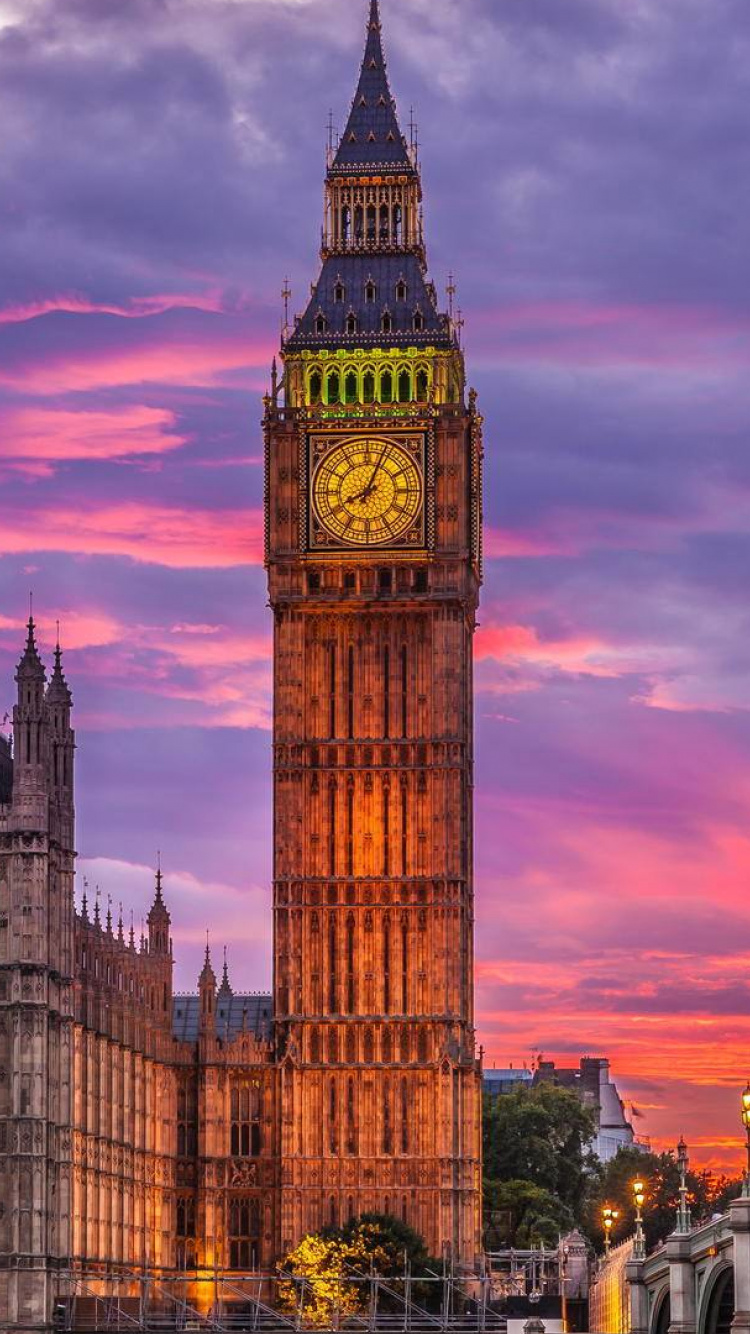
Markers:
point(420, 581)
point(346, 225)
point(371, 222)
point(385, 581)
point(404, 387)
point(350, 831)
point(185, 1216)
point(404, 1116)
point(401, 290)
point(358, 223)
point(350, 581)
point(332, 1137)
point(386, 323)
point(351, 1120)
point(334, 387)
point(315, 1047)
point(350, 968)
point(316, 387)
point(387, 1125)
point(246, 1129)
point(332, 691)
point(368, 1047)
point(386, 831)
point(386, 387)
point(404, 826)
point(404, 690)
point(351, 391)
point(397, 224)
point(386, 1047)
point(422, 386)
point(313, 581)
point(371, 292)
point(418, 321)
point(321, 324)
point(386, 692)
point(422, 1047)
point(368, 387)
point(350, 692)
point(386, 967)
point(244, 1232)
point(339, 292)
point(351, 328)
point(332, 963)
point(404, 974)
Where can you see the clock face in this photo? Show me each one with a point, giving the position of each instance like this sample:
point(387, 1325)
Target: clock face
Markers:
point(367, 491)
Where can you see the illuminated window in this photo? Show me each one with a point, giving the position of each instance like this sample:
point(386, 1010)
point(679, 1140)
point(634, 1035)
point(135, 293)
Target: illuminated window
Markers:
point(404, 387)
point(334, 387)
point(316, 387)
point(386, 387)
point(422, 385)
point(368, 387)
point(350, 387)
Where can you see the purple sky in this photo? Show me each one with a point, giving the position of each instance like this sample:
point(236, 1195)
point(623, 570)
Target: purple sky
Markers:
point(587, 169)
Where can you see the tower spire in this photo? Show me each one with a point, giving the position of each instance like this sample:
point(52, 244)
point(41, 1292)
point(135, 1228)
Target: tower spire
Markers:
point(373, 135)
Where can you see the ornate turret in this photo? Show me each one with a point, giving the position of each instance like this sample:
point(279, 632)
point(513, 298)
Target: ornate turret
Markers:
point(30, 720)
point(159, 922)
point(207, 995)
point(225, 990)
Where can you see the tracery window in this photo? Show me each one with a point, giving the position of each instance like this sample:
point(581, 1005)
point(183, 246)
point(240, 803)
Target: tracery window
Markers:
point(246, 1127)
point(244, 1232)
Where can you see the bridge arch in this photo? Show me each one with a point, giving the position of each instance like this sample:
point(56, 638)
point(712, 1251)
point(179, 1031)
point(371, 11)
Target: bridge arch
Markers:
point(716, 1310)
point(661, 1316)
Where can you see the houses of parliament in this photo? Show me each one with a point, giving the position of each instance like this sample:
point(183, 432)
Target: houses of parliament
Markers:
point(143, 1130)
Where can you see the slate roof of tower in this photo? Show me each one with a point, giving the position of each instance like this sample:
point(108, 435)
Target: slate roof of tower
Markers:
point(373, 136)
point(355, 271)
point(254, 1011)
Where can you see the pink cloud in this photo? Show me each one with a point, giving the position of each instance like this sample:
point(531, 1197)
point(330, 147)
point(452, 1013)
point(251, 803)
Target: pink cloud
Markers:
point(180, 538)
point(56, 434)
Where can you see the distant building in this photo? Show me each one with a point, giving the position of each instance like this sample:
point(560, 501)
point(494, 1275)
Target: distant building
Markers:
point(499, 1082)
point(594, 1087)
point(591, 1082)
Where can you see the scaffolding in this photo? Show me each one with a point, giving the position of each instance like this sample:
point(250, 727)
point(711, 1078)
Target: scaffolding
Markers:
point(430, 1303)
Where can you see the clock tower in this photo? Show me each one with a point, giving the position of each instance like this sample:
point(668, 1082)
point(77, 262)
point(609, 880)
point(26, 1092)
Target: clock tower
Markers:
point(373, 549)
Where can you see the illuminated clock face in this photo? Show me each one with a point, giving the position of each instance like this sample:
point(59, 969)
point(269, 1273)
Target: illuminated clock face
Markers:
point(367, 491)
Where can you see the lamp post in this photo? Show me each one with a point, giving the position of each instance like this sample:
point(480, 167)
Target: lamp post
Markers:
point(746, 1124)
point(683, 1162)
point(609, 1218)
point(639, 1195)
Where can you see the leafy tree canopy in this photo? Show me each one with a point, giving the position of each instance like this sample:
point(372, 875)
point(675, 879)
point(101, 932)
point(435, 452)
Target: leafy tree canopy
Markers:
point(540, 1135)
point(520, 1214)
point(707, 1194)
point(323, 1275)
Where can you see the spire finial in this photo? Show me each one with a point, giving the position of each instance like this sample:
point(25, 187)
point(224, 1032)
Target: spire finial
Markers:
point(97, 913)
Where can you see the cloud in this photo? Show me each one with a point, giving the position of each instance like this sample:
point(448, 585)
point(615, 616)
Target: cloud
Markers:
point(56, 434)
point(181, 538)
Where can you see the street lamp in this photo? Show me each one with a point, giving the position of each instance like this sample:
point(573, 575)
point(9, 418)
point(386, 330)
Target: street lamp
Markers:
point(639, 1195)
point(746, 1124)
point(683, 1162)
point(609, 1218)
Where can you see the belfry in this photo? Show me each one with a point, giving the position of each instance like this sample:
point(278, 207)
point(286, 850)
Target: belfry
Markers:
point(373, 513)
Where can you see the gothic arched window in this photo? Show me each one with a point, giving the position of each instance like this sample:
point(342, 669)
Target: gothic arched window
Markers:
point(315, 1046)
point(386, 1047)
point(387, 1121)
point(404, 1116)
point(372, 215)
point(404, 1045)
point(351, 328)
point(333, 1047)
point(333, 387)
point(386, 323)
point(418, 321)
point(351, 388)
point(386, 387)
point(321, 324)
point(346, 223)
point(368, 387)
point(422, 385)
point(402, 290)
point(384, 222)
point(371, 292)
point(351, 1119)
point(368, 1047)
point(316, 387)
point(404, 387)
point(332, 962)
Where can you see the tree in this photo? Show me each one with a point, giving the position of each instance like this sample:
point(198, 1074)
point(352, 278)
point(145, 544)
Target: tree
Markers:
point(316, 1281)
point(326, 1275)
point(518, 1213)
point(537, 1137)
point(660, 1174)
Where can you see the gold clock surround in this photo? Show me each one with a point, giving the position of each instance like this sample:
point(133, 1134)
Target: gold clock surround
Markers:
point(367, 491)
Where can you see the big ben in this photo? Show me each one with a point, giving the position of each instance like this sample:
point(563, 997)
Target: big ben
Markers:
point(373, 549)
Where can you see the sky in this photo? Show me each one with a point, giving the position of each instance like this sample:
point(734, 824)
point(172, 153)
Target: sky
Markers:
point(586, 168)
